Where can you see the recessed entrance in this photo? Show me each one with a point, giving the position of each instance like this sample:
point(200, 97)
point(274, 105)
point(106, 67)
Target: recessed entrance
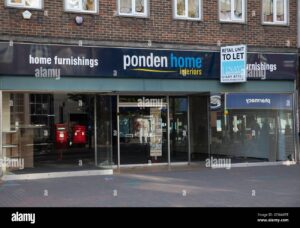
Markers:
point(143, 130)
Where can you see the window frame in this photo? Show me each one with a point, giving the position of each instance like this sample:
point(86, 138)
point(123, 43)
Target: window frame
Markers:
point(81, 11)
point(22, 5)
point(186, 17)
point(244, 15)
point(134, 13)
point(275, 22)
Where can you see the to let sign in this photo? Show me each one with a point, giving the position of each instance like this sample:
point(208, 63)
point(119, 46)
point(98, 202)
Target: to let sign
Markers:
point(234, 64)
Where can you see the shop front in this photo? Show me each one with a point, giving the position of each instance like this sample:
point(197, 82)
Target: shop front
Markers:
point(89, 129)
point(70, 106)
point(256, 127)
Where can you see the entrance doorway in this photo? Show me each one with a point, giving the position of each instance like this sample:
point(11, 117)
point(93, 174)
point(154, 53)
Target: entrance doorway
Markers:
point(143, 130)
point(106, 135)
point(161, 129)
point(178, 129)
point(199, 127)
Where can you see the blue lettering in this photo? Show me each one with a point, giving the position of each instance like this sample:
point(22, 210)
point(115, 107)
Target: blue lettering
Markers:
point(198, 63)
point(185, 62)
point(181, 62)
point(173, 61)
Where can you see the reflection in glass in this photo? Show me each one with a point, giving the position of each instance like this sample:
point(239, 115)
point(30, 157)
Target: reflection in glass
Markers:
point(142, 135)
point(255, 136)
point(225, 10)
point(16, 1)
point(280, 10)
point(252, 136)
point(139, 6)
point(285, 137)
point(268, 10)
point(88, 5)
point(32, 3)
point(193, 8)
point(81, 5)
point(126, 6)
point(238, 9)
point(181, 7)
point(51, 129)
point(73, 4)
point(104, 131)
point(26, 3)
point(143, 130)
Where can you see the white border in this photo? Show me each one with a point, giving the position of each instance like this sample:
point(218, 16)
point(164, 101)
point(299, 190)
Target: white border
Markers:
point(275, 23)
point(244, 9)
point(81, 11)
point(186, 17)
point(135, 14)
point(22, 5)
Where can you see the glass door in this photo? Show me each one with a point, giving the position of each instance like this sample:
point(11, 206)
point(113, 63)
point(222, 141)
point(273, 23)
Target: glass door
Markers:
point(286, 143)
point(267, 135)
point(178, 129)
point(143, 130)
point(199, 127)
point(104, 131)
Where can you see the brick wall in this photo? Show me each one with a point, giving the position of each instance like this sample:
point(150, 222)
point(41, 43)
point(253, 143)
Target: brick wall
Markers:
point(160, 27)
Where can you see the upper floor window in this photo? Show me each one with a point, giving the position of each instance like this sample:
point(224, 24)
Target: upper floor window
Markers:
point(187, 9)
point(232, 10)
point(81, 6)
point(275, 11)
point(132, 8)
point(33, 4)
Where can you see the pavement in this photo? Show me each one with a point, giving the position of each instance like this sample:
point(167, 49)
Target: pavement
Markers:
point(267, 186)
